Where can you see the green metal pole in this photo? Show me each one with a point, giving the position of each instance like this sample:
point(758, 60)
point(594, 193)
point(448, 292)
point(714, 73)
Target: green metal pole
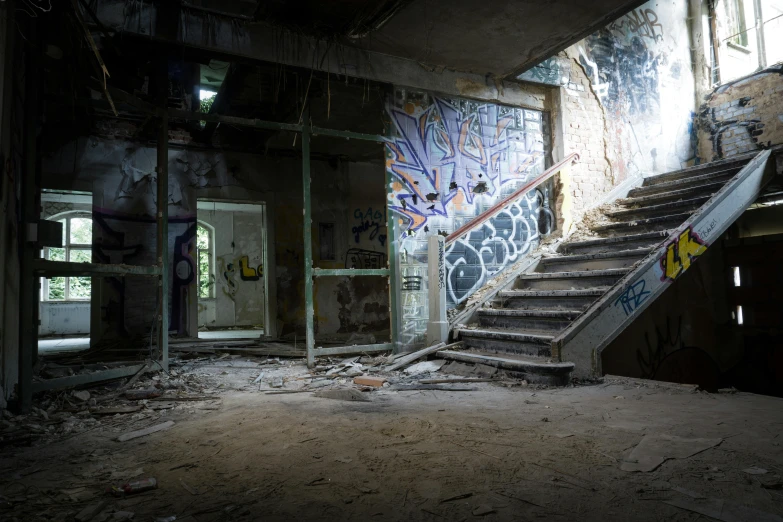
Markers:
point(28, 285)
point(393, 261)
point(163, 221)
point(307, 236)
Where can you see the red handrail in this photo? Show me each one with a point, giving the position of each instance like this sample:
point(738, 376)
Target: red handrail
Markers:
point(484, 216)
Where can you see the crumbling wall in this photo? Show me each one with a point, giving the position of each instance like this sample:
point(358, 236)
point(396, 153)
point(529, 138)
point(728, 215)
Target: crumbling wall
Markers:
point(639, 69)
point(742, 116)
point(627, 100)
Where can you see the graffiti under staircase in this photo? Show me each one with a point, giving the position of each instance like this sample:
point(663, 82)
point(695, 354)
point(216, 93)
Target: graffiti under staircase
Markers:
point(551, 324)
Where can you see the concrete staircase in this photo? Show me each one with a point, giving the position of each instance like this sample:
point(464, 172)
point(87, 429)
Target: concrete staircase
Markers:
point(520, 324)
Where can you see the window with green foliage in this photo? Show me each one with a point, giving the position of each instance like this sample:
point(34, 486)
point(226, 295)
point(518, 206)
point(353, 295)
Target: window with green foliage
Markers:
point(206, 280)
point(77, 248)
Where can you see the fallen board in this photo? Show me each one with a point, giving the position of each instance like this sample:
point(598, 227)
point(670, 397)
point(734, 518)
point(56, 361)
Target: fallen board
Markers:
point(415, 356)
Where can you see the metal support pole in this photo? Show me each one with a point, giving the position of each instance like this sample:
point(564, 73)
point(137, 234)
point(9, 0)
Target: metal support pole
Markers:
point(28, 299)
point(392, 259)
point(163, 224)
point(307, 235)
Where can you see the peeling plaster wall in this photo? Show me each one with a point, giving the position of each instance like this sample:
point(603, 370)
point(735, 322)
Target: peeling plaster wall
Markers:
point(629, 99)
point(742, 116)
point(639, 68)
point(121, 176)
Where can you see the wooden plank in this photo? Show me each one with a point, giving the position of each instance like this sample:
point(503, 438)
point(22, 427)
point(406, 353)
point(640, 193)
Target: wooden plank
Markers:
point(415, 356)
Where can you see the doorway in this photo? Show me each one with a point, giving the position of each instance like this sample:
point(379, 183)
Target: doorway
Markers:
point(232, 256)
point(64, 305)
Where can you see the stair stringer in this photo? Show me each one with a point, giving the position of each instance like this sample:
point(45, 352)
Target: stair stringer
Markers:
point(583, 340)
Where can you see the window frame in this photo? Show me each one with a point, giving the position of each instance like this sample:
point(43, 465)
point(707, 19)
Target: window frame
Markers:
point(67, 248)
point(210, 259)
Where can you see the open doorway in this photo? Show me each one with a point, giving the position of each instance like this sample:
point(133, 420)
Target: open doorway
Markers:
point(64, 309)
point(232, 254)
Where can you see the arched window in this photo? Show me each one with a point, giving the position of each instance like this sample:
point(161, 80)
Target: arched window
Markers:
point(205, 245)
point(77, 248)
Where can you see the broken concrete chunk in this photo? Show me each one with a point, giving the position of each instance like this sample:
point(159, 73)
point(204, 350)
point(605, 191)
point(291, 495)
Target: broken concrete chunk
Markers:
point(277, 383)
point(353, 372)
point(82, 395)
point(367, 380)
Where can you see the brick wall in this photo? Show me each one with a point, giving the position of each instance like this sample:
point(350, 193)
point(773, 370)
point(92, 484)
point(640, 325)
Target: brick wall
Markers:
point(742, 116)
point(584, 133)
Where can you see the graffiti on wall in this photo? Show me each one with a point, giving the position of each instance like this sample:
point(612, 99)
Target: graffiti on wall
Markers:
point(230, 269)
point(639, 69)
point(122, 238)
point(666, 357)
point(483, 252)
point(680, 254)
point(364, 259)
point(633, 297)
point(552, 71)
point(185, 269)
point(446, 152)
point(372, 222)
point(228, 272)
point(249, 273)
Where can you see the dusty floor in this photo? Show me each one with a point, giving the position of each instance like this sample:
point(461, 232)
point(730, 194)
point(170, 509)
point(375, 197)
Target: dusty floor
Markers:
point(497, 453)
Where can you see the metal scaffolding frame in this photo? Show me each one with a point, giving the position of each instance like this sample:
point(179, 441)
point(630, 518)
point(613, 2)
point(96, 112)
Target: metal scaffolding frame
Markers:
point(35, 268)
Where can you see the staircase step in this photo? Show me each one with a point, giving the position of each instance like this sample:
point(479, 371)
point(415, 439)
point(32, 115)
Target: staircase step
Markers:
point(609, 244)
point(569, 280)
point(536, 371)
point(705, 168)
point(599, 261)
point(641, 225)
point(549, 299)
point(541, 320)
point(648, 211)
point(500, 340)
point(707, 189)
point(682, 183)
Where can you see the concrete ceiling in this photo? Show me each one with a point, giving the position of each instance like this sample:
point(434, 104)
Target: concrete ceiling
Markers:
point(502, 38)
point(499, 37)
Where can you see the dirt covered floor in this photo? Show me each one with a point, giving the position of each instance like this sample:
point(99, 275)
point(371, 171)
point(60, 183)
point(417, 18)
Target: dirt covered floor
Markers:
point(240, 450)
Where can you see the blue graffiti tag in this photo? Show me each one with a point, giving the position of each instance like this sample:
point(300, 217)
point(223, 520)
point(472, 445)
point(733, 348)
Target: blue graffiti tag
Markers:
point(633, 297)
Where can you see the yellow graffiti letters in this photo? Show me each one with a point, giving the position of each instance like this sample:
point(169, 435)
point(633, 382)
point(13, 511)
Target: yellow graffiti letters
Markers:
point(680, 254)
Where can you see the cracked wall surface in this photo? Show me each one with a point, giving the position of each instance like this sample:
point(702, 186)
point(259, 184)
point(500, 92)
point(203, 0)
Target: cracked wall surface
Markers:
point(742, 116)
point(629, 99)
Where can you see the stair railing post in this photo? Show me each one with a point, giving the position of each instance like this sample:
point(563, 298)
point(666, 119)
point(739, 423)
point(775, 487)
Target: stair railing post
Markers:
point(438, 325)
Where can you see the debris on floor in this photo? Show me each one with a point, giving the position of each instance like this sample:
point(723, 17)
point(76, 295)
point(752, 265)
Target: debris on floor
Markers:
point(655, 449)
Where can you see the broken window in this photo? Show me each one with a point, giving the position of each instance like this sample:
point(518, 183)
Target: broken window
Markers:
point(204, 246)
point(750, 36)
point(77, 248)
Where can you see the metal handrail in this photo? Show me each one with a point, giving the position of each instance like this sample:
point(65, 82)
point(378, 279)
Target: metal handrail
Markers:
point(500, 205)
